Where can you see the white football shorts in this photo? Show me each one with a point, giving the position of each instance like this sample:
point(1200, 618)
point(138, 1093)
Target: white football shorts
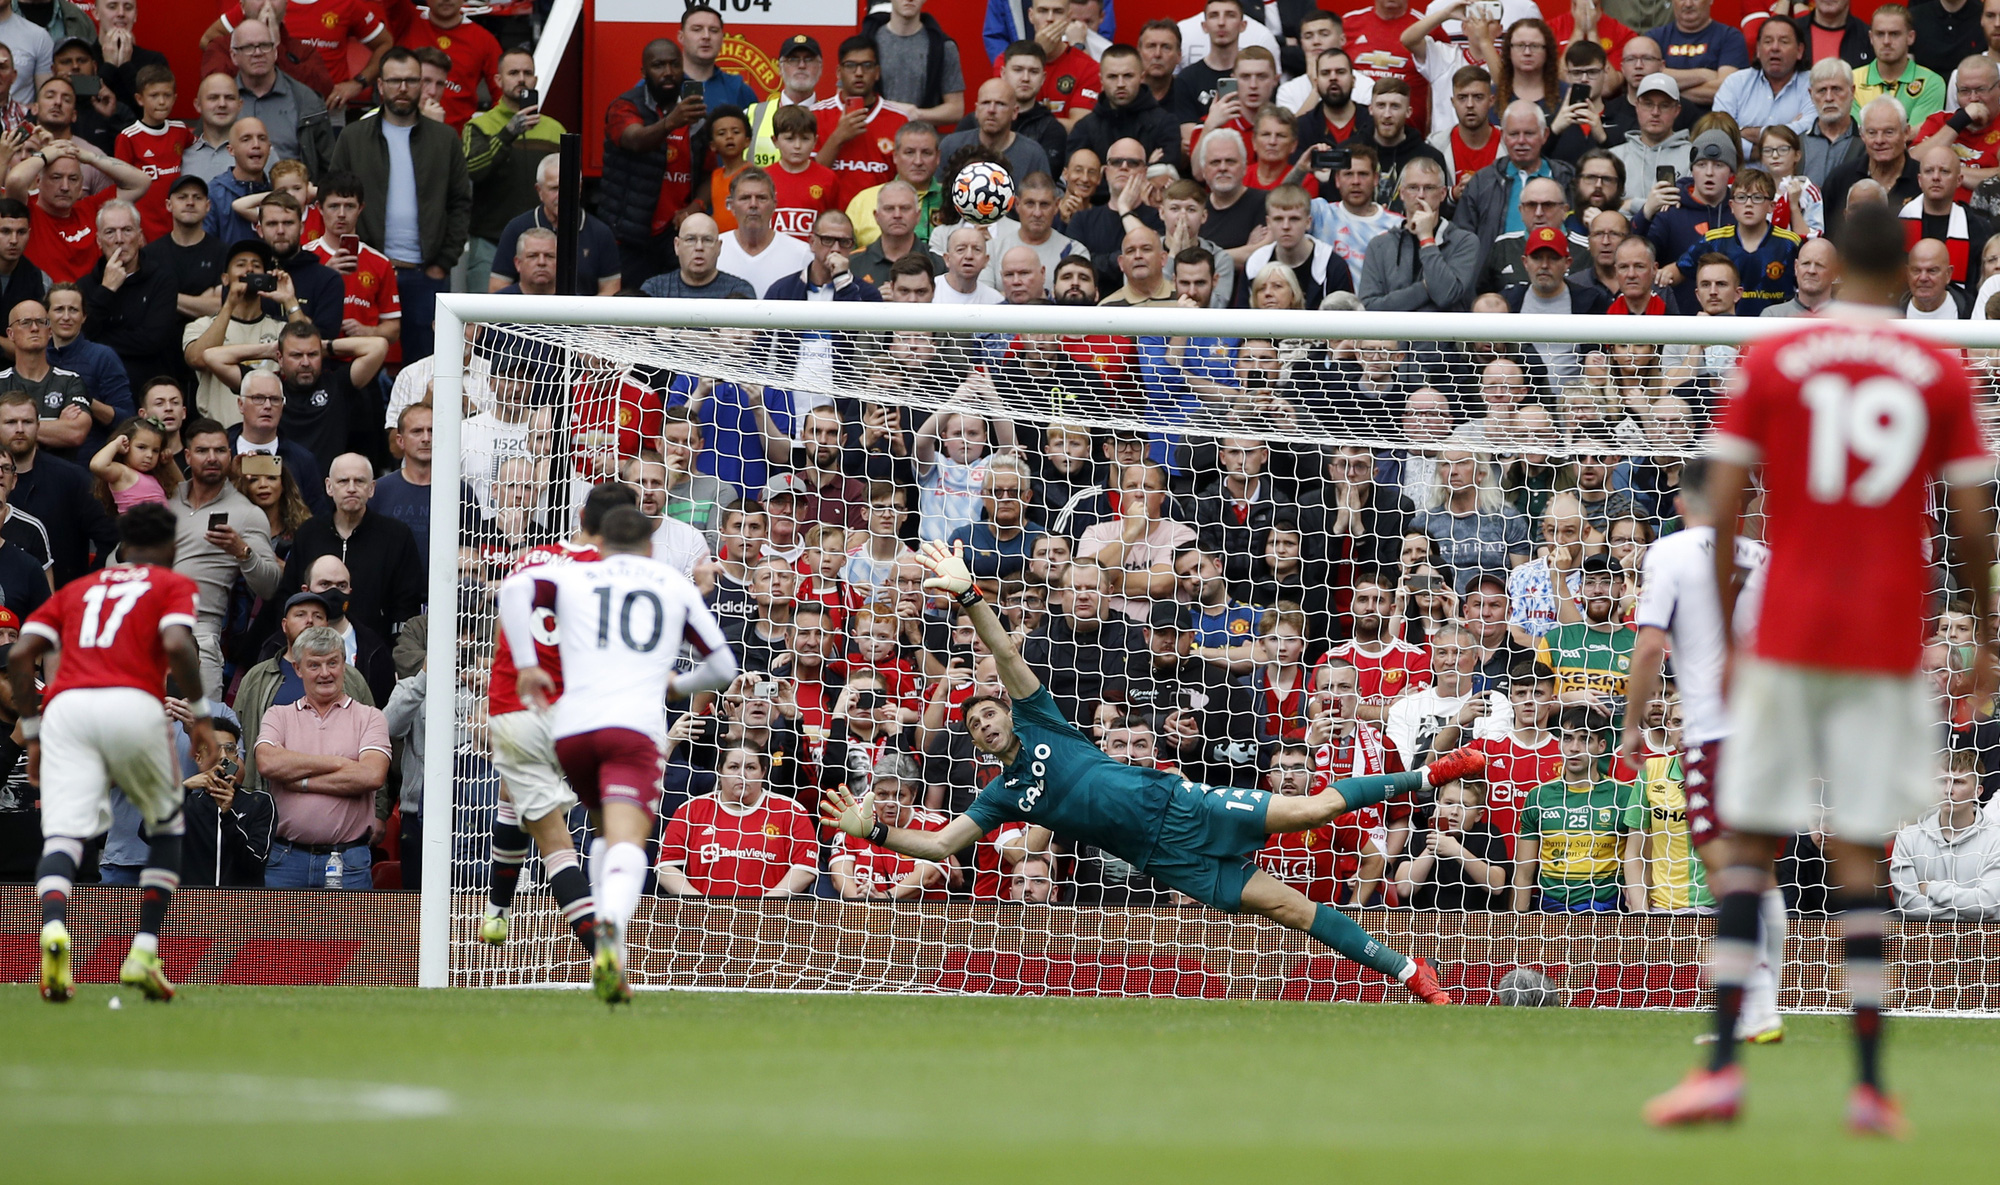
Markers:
point(524, 755)
point(93, 738)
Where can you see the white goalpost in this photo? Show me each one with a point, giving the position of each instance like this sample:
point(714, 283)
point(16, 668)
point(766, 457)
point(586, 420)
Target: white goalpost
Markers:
point(1454, 465)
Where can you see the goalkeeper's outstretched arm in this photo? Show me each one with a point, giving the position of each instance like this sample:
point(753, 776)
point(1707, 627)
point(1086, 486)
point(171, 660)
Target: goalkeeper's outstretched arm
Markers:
point(856, 817)
point(950, 575)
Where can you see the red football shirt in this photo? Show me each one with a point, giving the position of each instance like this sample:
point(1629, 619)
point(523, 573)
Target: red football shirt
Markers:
point(1975, 149)
point(870, 158)
point(1396, 668)
point(879, 870)
point(107, 626)
point(371, 287)
point(1362, 753)
point(1305, 860)
point(739, 851)
point(156, 152)
point(474, 54)
point(66, 248)
point(1069, 83)
point(1465, 161)
point(1376, 47)
point(990, 882)
point(501, 696)
point(325, 25)
point(1851, 423)
point(678, 184)
point(631, 410)
point(1512, 771)
point(800, 198)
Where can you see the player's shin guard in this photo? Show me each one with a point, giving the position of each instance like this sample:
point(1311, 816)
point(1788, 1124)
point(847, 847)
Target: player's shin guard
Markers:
point(1339, 931)
point(510, 851)
point(1731, 956)
point(624, 879)
point(1374, 788)
point(572, 893)
point(157, 882)
point(56, 875)
point(1863, 922)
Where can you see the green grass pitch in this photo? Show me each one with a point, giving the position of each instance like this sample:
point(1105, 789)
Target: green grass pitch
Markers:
point(364, 1085)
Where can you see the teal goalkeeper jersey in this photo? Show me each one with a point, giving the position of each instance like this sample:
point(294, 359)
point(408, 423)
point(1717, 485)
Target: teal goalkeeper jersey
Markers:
point(1063, 782)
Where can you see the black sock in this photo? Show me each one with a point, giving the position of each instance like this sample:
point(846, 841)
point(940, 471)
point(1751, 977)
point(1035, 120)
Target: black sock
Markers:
point(54, 877)
point(158, 881)
point(1864, 964)
point(1731, 957)
point(510, 851)
point(572, 892)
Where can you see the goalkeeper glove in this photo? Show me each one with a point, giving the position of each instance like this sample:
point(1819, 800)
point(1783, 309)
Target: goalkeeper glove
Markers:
point(948, 571)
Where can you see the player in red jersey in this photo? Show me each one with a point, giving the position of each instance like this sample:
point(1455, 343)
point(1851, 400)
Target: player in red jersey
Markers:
point(534, 802)
point(1529, 755)
point(153, 144)
point(119, 631)
point(1851, 419)
point(857, 129)
point(742, 840)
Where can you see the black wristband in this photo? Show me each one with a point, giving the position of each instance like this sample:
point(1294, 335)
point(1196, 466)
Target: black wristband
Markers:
point(1959, 121)
point(879, 833)
point(971, 596)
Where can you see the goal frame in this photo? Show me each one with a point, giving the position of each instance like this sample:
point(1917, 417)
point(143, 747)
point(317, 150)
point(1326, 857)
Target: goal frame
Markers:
point(456, 310)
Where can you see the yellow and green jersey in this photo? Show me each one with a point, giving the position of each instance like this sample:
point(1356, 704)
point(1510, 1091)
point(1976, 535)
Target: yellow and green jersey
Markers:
point(1581, 828)
point(1595, 660)
point(1675, 876)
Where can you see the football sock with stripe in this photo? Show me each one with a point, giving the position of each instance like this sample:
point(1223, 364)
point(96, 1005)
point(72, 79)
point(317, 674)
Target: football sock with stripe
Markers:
point(1863, 922)
point(55, 876)
point(510, 851)
point(1374, 788)
point(1731, 955)
point(572, 893)
point(157, 882)
point(1339, 931)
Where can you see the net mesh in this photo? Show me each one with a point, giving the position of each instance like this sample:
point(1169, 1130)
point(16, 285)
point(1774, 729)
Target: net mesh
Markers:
point(1261, 561)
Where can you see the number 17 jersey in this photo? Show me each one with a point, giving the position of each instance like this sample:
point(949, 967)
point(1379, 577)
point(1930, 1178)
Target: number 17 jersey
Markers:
point(620, 624)
point(1851, 421)
point(107, 626)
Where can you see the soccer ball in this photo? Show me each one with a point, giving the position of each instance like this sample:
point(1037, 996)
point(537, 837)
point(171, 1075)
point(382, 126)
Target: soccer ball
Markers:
point(1525, 987)
point(982, 193)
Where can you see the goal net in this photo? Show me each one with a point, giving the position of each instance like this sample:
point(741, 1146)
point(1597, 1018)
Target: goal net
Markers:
point(1260, 548)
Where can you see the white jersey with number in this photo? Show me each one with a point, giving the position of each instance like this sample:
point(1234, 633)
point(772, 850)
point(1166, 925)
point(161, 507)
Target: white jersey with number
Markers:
point(620, 624)
point(1679, 597)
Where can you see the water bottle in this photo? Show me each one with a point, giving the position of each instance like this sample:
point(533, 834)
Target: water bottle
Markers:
point(333, 869)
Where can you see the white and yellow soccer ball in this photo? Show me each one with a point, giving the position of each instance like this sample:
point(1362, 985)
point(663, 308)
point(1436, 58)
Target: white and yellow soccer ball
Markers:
point(982, 193)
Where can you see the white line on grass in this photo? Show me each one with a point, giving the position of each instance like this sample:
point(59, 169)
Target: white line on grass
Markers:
point(165, 1096)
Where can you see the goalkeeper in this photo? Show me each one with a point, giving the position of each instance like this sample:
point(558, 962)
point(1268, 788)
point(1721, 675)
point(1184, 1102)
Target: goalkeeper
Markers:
point(1202, 840)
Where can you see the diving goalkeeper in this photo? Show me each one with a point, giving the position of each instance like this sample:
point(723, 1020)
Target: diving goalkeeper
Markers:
point(1202, 840)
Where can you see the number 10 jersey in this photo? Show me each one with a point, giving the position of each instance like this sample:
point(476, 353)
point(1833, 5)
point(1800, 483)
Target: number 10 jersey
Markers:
point(619, 626)
point(1851, 421)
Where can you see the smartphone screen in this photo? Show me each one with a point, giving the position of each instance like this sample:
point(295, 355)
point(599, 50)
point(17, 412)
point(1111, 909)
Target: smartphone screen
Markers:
point(1663, 175)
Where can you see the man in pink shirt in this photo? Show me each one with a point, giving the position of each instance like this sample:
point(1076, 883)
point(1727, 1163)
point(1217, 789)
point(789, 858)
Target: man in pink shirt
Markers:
point(324, 756)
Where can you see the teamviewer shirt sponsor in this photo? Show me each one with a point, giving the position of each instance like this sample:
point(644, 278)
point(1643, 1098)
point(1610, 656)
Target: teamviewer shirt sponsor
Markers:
point(731, 850)
point(869, 158)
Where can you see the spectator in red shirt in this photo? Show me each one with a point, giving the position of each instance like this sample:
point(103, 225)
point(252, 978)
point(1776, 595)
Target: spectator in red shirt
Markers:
point(857, 129)
point(153, 144)
point(862, 871)
point(474, 54)
point(743, 840)
point(62, 235)
point(372, 307)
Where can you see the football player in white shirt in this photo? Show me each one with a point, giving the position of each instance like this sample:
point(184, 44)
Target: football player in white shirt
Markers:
point(619, 628)
point(1678, 612)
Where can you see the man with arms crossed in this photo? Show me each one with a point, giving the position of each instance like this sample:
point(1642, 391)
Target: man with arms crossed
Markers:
point(1677, 606)
point(119, 631)
point(1851, 420)
point(1200, 840)
point(619, 626)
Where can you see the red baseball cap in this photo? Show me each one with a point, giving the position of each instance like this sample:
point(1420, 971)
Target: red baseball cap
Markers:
point(7, 619)
point(1547, 238)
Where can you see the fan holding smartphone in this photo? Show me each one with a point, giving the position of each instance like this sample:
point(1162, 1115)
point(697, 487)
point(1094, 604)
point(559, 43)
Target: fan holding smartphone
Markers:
point(373, 306)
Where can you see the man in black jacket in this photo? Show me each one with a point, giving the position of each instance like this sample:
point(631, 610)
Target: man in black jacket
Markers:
point(389, 574)
point(1234, 512)
point(1021, 69)
point(1206, 723)
point(229, 828)
point(132, 305)
point(55, 491)
point(1083, 657)
point(1125, 109)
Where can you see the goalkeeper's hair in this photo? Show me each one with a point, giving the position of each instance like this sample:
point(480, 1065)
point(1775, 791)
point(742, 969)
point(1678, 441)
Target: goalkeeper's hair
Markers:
point(965, 709)
point(603, 498)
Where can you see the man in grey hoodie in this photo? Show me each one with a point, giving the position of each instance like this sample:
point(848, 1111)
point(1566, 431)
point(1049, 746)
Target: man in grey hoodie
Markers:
point(1946, 865)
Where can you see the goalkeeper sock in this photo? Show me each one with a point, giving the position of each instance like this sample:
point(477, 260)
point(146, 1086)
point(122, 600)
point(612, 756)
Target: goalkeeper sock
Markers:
point(1338, 931)
point(510, 851)
point(55, 876)
point(1367, 791)
point(1731, 955)
point(624, 878)
point(1862, 926)
point(572, 893)
point(157, 882)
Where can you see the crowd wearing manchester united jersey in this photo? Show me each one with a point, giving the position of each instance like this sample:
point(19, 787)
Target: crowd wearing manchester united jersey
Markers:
point(233, 316)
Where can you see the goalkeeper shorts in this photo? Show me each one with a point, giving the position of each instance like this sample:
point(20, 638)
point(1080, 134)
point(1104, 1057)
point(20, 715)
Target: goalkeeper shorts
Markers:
point(1209, 842)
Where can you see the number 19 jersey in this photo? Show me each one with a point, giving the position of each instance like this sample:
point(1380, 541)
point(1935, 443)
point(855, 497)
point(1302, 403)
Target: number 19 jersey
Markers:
point(620, 625)
point(1851, 421)
point(107, 626)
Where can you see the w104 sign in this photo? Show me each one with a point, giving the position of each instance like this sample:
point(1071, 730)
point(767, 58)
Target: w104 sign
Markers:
point(615, 32)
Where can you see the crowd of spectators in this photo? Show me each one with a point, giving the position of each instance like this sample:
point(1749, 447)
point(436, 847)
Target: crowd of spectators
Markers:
point(234, 317)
